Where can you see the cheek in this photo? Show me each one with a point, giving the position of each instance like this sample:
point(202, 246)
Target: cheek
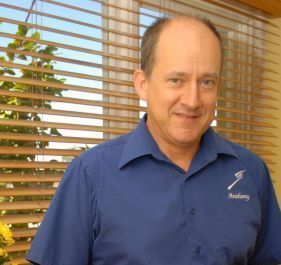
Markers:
point(210, 102)
point(162, 100)
point(211, 107)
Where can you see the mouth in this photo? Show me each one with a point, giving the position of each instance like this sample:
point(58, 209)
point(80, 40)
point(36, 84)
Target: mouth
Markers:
point(187, 116)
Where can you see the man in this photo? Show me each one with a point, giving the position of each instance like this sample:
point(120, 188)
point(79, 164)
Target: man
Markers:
point(172, 192)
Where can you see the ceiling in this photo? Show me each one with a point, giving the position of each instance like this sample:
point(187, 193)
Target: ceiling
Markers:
point(270, 7)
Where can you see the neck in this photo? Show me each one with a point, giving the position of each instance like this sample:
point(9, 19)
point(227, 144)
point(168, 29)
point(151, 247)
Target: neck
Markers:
point(180, 156)
point(180, 153)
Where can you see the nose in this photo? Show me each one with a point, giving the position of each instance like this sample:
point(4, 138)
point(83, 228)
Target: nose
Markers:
point(191, 97)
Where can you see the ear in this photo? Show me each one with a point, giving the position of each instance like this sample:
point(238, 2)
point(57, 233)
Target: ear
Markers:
point(140, 82)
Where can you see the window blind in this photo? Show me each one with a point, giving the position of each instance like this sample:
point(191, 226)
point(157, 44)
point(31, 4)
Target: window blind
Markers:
point(66, 85)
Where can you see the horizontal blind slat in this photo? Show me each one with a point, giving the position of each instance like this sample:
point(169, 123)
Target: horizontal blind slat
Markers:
point(10, 178)
point(247, 132)
point(113, 105)
point(68, 113)
point(21, 218)
point(65, 19)
point(249, 113)
point(27, 191)
point(32, 165)
point(68, 126)
point(71, 100)
point(150, 4)
point(67, 73)
point(106, 16)
point(70, 47)
point(67, 60)
point(35, 82)
point(252, 142)
point(69, 33)
point(18, 246)
point(24, 205)
point(46, 138)
point(24, 232)
point(11, 150)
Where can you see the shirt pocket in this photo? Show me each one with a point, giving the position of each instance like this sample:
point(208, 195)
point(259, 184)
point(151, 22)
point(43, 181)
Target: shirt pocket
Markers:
point(239, 223)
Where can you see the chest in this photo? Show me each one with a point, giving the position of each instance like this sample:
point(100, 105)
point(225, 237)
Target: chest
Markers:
point(162, 217)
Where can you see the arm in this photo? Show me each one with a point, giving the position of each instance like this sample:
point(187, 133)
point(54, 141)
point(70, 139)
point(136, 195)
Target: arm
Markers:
point(268, 246)
point(65, 235)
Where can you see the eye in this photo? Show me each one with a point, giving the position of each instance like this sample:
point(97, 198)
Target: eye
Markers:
point(174, 81)
point(207, 83)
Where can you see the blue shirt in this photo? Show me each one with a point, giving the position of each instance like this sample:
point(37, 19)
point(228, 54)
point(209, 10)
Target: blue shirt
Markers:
point(125, 203)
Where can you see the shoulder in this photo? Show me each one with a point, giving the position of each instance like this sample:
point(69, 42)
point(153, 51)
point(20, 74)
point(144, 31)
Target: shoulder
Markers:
point(251, 160)
point(107, 153)
point(110, 147)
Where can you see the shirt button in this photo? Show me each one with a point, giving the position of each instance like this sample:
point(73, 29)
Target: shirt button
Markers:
point(197, 250)
point(193, 211)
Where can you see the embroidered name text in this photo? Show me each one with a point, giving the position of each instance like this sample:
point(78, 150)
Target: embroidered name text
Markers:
point(239, 196)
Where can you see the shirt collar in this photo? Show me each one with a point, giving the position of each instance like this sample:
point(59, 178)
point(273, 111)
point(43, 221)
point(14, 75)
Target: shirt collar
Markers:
point(214, 144)
point(141, 143)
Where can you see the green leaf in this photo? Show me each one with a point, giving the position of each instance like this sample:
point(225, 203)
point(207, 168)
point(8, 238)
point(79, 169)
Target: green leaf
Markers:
point(22, 57)
point(50, 49)
point(17, 43)
point(11, 45)
point(28, 45)
point(9, 54)
point(19, 86)
point(36, 35)
point(9, 71)
point(3, 59)
point(52, 79)
point(22, 30)
point(26, 72)
point(36, 118)
point(54, 131)
point(48, 66)
point(5, 85)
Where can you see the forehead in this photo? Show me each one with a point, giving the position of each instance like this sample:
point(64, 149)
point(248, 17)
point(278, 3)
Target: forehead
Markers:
point(186, 38)
point(183, 27)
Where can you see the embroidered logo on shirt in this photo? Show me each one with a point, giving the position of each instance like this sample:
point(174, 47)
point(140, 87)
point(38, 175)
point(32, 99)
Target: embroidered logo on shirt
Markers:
point(239, 196)
point(239, 175)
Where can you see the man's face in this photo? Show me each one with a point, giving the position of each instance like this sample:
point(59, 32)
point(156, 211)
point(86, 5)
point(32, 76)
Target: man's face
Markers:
point(182, 90)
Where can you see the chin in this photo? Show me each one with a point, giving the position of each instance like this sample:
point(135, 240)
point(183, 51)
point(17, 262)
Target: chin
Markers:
point(188, 137)
point(187, 141)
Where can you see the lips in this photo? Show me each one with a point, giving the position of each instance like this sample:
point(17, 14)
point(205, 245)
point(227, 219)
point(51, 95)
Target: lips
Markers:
point(187, 116)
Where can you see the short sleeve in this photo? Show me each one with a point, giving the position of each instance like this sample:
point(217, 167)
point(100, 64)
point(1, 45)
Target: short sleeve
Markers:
point(65, 235)
point(268, 247)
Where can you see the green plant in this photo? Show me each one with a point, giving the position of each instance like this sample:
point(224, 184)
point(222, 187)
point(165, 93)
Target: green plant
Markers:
point(41, 63)
point(19, 47)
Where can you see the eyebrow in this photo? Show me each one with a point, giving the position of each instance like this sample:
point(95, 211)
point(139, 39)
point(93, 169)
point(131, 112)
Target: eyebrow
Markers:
point(177, 74)
point(183, 74)
point(212, 75)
